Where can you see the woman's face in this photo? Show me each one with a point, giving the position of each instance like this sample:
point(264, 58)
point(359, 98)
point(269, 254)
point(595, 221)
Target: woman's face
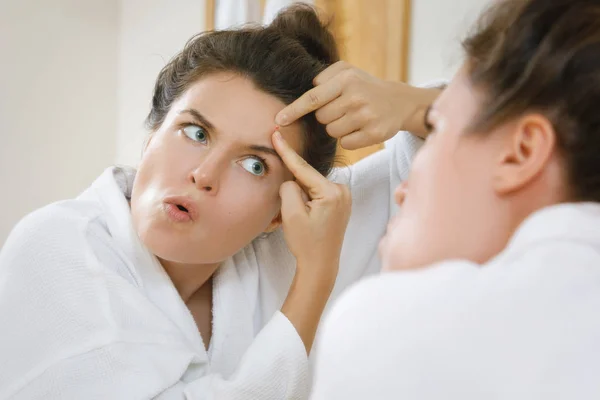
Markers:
point(209, 179)
point(449, 202)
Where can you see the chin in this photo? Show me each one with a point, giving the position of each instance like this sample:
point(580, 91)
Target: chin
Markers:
point(170, 254)
point(391, 264)
point(181, 254)
point(386, 254)
point(391, 248)
point(169, 246)
point(400, 257)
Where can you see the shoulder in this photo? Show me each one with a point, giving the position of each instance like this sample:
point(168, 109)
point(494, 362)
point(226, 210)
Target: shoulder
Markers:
point(62, 305)
point(59, 224)
point(400, 294)
point(372, 168)
point(54, 241)
point(378, 173)
point(395, 309)
point(382, 326)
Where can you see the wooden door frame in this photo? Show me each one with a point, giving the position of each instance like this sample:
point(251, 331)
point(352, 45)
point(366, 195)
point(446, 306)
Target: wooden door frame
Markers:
point(402, 33)
point(209, 16)
point(211, 9)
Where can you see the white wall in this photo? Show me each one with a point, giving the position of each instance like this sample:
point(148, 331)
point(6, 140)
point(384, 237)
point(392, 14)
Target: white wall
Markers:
point(57, 100)
point(437, 27)
point(75, 86)
point(152, 31)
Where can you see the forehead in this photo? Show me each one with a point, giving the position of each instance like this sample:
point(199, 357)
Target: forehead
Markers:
point(459, 102)
point(236, 108)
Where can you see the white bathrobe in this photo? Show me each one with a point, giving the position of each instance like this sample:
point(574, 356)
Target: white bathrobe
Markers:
point(88, 313)
point(526, 325)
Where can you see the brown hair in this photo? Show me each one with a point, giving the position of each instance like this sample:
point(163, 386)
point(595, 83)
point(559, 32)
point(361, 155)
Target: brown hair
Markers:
point(544, 56)
point(281, 59)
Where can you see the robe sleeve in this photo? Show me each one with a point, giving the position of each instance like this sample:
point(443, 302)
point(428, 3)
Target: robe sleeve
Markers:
point(372, 182)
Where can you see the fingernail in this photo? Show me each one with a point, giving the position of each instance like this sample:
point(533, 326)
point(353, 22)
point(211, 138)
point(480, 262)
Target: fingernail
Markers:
point(277, 135)
point(281, 119)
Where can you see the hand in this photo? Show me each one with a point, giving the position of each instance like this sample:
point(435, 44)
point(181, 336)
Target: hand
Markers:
point(314, 230)
point(359, 109)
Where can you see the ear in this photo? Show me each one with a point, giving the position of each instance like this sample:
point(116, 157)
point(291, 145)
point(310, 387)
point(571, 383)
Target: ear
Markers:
point(275, 223)
point(526, 152)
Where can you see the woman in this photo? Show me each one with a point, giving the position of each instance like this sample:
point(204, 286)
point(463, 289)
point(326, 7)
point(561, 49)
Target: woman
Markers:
point(175, 281)
point(500, 217)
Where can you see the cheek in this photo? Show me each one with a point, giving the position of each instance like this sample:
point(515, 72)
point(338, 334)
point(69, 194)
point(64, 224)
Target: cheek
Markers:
point(424, 215)
point(390, 251)
point(157, 169)
point(445, 209)
point(430, 178)
point(157, 164)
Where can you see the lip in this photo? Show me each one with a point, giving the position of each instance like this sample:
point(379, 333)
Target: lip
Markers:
point(171, 207)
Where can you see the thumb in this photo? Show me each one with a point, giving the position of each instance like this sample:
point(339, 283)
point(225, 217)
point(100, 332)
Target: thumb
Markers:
point(292, 203)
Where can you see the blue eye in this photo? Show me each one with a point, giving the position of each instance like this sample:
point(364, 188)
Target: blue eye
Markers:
point(254, 166)
point(196, 133)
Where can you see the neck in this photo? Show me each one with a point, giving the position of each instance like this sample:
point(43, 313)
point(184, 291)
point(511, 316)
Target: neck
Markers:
point(188, 278)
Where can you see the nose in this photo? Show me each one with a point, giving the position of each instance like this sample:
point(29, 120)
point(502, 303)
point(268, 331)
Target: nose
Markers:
point(400, 193)
point(206, 176)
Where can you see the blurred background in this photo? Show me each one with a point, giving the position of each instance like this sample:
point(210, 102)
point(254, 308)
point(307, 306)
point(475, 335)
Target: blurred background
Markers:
point(76, 76)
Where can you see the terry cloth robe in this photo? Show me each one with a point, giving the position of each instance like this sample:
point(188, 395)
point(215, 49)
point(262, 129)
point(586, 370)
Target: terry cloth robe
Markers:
point(88, 313)
point(526, 325)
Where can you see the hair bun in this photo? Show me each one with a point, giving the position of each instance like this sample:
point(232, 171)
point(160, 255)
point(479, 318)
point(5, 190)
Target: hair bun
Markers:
point(301, 22)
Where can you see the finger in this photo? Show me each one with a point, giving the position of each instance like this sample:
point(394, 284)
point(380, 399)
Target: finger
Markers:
point(292, 202)
point(307, 176)
point(356, 140)
point(310, 101)
point(343, 126)
point(331, 72)
point(305, 197)
point(332, 111)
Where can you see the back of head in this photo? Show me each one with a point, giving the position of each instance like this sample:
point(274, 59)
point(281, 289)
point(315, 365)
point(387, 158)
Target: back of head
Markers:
point(544, 56)
point(281, 59)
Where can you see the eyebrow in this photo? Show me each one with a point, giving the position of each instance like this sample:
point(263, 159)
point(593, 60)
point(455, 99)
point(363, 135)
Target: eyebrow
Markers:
point(265, 149)
point(208, 125)
point(199, 118)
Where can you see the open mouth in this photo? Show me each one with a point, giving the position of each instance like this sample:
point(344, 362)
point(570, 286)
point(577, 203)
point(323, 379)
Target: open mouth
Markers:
point(180, 208)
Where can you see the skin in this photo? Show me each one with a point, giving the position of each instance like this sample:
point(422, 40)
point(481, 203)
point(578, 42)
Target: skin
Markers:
point(469, 191)
point(216, 150)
